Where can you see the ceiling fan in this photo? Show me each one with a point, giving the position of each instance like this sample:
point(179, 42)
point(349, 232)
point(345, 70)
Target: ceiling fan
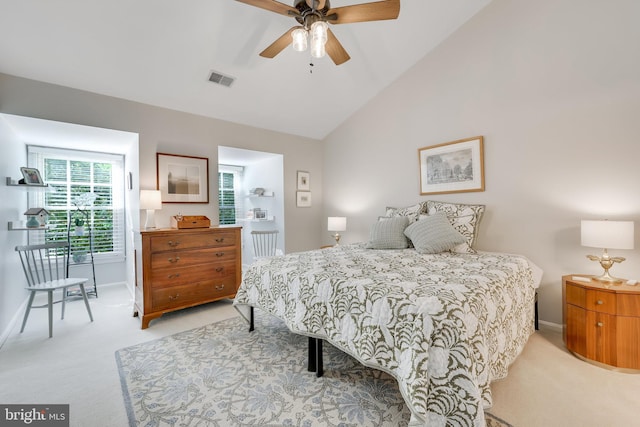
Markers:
point(313, 16)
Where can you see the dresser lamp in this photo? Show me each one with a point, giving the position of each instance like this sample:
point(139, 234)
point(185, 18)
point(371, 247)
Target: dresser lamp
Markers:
point(150, 200)
point(607, 235)
point(336, 224)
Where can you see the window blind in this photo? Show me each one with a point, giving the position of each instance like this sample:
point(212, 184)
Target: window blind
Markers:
point(86, 187)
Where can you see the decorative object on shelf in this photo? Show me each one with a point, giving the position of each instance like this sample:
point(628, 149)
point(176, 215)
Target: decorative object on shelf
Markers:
point(183, 179)
point(303, 181)
point(31, 176)
point(336, 224)
point(256, 191)
point(37, 217)
point(190, 221)
point(303, 199)
point(452, 167)
point(150, 200)
point(260, 213)
point(607, 235)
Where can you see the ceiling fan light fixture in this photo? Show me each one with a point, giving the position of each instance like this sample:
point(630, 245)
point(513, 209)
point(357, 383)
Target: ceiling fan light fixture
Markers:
point(319, 31)
point(299, 40)
point(317, 49)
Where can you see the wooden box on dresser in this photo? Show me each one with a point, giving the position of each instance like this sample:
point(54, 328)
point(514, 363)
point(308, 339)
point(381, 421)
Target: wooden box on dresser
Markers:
point(602, 323)
point(180, 268)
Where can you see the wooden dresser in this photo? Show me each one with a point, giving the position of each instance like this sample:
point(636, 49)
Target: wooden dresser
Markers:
point(180, 268)
point(602, 324)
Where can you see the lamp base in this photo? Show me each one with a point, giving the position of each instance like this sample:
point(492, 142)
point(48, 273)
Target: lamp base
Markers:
point(150, 222)
point(337, 237)
point(607, 262)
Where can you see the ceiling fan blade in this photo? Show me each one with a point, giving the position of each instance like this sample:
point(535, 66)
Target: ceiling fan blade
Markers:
point(273, 6)
point(278, 46)
point(375, 11)
point(335, 50)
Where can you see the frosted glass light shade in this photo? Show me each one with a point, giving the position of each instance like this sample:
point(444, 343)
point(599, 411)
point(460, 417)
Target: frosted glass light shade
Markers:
point(607, 234)
point(319, 31)
point(336, 223)
point(299, 40)
point(150, 199)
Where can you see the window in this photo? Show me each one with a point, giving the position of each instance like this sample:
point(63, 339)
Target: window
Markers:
point(229, 199)
point(84, 187)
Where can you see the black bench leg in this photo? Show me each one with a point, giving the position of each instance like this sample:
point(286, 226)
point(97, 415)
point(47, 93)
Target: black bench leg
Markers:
point(311, 364)
point(535, 320)
point(319, 367)
point(251, 326)
point(314, 363)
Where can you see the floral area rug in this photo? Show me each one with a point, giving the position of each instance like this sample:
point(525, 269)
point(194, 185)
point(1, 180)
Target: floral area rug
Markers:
point(222, 375)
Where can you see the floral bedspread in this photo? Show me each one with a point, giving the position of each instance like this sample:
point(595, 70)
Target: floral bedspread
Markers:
point(443, 325)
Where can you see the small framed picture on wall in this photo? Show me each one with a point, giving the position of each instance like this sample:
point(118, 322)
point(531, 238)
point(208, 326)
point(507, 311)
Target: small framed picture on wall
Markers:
point(303, 181)
point(303, 199)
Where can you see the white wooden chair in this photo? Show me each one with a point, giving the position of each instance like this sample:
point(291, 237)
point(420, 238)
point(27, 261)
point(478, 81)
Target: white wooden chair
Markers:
point(45, 269)
point(264, 243)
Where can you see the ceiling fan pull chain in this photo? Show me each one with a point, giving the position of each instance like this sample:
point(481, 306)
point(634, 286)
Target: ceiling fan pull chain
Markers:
point(311, 67)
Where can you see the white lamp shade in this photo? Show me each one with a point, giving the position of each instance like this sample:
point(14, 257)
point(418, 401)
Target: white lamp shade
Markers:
point(299, 37)
point(337, 223)
point(607, 234)
point(150, 199)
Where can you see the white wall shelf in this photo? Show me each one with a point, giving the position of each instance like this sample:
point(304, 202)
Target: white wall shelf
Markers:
point(20, 225)
point(14, 183)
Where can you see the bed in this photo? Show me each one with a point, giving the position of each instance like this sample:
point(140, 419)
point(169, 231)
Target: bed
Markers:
point(444, 324)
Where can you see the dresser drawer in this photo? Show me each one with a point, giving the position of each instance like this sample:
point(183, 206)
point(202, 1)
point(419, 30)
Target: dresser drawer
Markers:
point(187, 241)
point(576, 295)
point(186, 295)
point(168, 277)
point(174, 259)
point(602, 302)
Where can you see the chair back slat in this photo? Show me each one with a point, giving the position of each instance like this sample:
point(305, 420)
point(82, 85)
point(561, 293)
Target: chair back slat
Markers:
point(45, 262)
point(264, 243)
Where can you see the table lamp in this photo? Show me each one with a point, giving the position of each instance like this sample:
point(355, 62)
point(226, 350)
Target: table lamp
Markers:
point(607, 235)
point(151, 200)
point(337, 223)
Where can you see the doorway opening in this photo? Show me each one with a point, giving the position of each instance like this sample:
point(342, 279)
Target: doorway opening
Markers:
point(251, 194)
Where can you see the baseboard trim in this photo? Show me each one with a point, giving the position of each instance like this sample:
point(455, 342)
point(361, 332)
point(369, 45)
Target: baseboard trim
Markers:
point(15, 319)
point(551, 325)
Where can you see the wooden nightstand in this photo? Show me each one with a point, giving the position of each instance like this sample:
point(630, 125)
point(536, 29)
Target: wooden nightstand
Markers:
point(602, 323)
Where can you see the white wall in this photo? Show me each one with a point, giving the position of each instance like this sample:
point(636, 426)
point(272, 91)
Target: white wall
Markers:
point(554, 87)
point(12, 282)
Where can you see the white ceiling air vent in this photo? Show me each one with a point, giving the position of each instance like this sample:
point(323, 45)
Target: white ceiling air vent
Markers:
point(221, 79)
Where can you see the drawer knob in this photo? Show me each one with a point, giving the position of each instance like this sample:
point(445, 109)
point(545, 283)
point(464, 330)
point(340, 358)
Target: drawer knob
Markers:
point(172, 243)
point(174, 276)
point(219, 287)
point(599, 302)
point(219, 254)
point(600, 324)
point(220, 240)
point(174, 260)
point(219, 269)
point(173, 298)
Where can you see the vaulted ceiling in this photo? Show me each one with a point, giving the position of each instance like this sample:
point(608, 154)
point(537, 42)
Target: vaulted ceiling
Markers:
point(162, 52)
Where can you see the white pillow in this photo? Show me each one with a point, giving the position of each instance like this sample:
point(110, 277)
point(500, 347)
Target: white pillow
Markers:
point(412, 212)
point(388, 234)
point(434, 234)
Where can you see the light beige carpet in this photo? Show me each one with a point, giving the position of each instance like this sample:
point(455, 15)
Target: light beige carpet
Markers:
point(546, 386)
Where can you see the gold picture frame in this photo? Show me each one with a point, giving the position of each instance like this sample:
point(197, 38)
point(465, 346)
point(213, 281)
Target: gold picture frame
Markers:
point(182, 179)
point(452, 167)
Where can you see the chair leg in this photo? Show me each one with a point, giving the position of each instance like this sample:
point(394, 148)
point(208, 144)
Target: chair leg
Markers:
point(64, 302)
point(50, 308)
point(28, 310)
point(86, 301)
